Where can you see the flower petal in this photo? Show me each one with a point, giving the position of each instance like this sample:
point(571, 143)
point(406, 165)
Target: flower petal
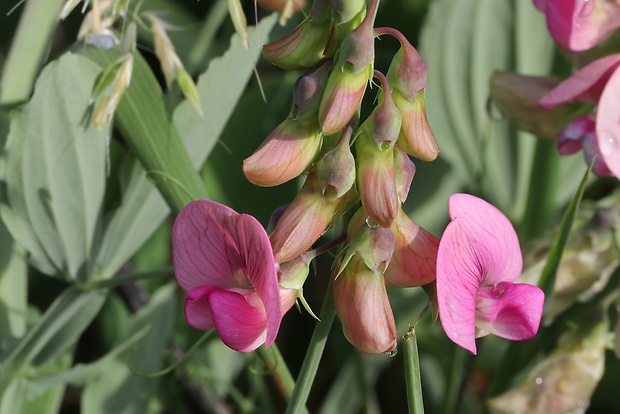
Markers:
point(204, 249)
point(586, 85)
point(458, 278)
point(197, 308)
point(608, 123)
point(510, 310)
point(239, 320)
point(260, 267)
point(492, 237)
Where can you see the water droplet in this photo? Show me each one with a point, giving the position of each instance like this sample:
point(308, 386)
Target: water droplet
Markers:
point(371, 223)
point(392, 353)
point(608, 143)
point(539, 380)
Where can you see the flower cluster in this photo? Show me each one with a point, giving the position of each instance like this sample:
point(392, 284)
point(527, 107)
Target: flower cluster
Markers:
point(241, 281)
point(582, 111)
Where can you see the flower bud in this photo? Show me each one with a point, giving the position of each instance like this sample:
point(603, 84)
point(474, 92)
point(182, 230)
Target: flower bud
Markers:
point(517, 97)
point(569, 140)
point(336, 169)
point(303, 47)
point(404, 170)
point(293, 275)
point(363, 307)
point(373, 244)
point(415, 254)
point(348, 15)
point(375, 179)
point(309, 90)
point(342, 97)
point(415, 136)
point(287, 152)
point(305, 219)
point(592, 151)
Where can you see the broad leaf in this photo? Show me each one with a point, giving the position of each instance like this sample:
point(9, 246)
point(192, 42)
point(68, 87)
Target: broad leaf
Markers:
point(54, 170)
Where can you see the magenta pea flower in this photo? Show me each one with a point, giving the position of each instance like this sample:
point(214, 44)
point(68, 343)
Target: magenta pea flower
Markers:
point(580, 24)
point(477, 262)
point(224, 261)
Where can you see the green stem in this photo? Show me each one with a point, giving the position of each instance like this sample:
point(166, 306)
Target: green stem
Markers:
point(275, 364)
point(541, 191)
point(132, 277)
point(454, 382)
point(413, 380)
point(314, 353)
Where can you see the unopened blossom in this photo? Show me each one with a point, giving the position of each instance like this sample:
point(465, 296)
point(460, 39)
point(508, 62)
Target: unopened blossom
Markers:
point(306, 219)
point(360, 296)
point(407, 77)
point(336, 169)
point(477, 263)
point(581, 134)
point(580, 24)
point(517, 96)
point(224, 261)
point(598, 83)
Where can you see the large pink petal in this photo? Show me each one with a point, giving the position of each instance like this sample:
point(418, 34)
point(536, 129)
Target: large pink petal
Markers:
point(204, 247)
point(239, 320)
point(492, 237)
point(580, 25)
point(586, 85)
point(260, 267)
point(608, 124)
point(459, 272)
point(510, 310)
point(197, 308)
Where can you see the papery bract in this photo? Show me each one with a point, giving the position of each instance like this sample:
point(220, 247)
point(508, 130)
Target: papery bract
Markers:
point(477, 262)
point(224, 261)
point(577, 24)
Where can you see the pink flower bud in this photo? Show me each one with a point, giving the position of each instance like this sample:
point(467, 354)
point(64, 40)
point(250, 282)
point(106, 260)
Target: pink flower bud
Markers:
point(342, 97)
point(569, 141)
point(415, 254)
point(302, 48)
point(363, 307)
point(347, 15)
point(287, 152)
point(385, 120)
point(373, 244)
point(404, 170)
point(309, 90)
point(336, 169)
point(306, 219)
point(375, 179)
point(415, 136)
point(518, 97)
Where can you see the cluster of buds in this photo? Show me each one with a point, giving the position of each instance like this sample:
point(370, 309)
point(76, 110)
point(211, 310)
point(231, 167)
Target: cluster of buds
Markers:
point(581, 111)
point(350, 164)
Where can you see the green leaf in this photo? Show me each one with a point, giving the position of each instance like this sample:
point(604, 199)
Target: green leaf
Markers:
point(118, 390)
point(57, 330)
point(28, 49)
point(54, 170)
point(13, 285)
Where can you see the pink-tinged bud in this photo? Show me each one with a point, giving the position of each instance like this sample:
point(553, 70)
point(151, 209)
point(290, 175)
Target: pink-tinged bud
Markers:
point(363, 307)
point(408, 71)
point(342, 97)
point(292, 276)
point(309, 90)
point(385, 121)
point(517, 97)
point(416, 137)
point(336, 169)
point(415, 254)
point(287, 152)
point(376, 182)
point(592, 151)
point(275, 217)
point(306, 219)
point(358, 47)
point(348, 15)
point(373, 244)
point(404, 170)
point(302, 48)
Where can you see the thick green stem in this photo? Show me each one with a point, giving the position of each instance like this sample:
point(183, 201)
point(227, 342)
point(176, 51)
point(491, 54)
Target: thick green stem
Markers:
point(413, 380)
point(275, 364)
point(313, 355)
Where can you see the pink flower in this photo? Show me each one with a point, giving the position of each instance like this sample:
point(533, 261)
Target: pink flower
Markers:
point(224, 261)
point(478, 260)
point(580, 24)
point(598, 82)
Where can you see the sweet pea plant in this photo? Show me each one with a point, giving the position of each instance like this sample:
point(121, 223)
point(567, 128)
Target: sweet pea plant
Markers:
point(157, 257)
